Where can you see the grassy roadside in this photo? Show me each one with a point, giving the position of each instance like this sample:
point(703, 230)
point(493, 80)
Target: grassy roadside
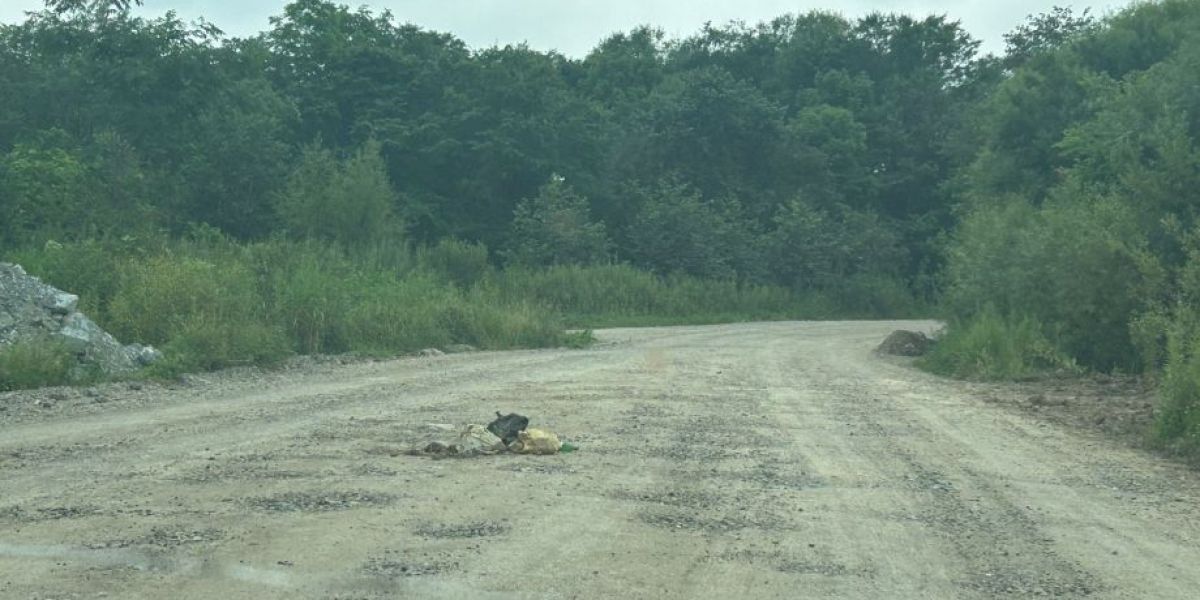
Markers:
point(209, 303)
point(992, 348)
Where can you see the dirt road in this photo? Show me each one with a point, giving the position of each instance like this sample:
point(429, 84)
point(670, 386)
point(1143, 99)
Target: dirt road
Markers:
point(748, 461)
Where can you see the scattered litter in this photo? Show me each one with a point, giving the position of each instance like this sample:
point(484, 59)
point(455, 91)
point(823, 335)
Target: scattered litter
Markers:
point(508, 433)
point(473, 440)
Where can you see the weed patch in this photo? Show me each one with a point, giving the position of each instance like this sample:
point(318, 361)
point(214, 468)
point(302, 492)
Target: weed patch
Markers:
point(991, 347)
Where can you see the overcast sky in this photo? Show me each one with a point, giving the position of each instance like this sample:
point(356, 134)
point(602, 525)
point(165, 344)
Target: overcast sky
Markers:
point(575, 26)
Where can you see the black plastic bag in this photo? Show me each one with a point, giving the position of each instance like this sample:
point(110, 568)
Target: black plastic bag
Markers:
point(506, 427)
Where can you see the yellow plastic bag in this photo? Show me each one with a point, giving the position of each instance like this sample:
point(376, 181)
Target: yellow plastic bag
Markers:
point(535, 441)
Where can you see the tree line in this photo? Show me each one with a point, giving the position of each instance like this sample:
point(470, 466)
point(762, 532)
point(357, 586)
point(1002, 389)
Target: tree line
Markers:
point(807, 151)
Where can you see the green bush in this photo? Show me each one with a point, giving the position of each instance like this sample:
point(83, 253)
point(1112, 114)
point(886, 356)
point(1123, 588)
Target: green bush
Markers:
point(204, 343)
point(398, 315)
point(462, 263)
point(483, 323)
point(621, 294)
point(677, 230)
point(991, 347)
point(1074, 264)
point(307, 288)
point(203, 314)
point(579, 339)
point(210, 302)
point(1177, 426)
point(401, 315)
point(34, 364)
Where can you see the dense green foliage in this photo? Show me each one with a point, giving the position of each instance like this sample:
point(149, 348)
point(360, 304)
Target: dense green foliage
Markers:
point(210, 302)
point(1079, 210)
point(346, 182)
point(347, 126)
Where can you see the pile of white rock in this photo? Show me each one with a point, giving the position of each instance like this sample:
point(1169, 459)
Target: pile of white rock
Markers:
point(30, 310)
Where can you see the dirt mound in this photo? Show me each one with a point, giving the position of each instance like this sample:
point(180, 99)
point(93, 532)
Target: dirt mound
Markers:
point(31, 310)
point(905, 343)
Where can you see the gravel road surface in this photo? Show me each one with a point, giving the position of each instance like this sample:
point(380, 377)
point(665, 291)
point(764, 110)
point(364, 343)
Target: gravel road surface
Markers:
point(766, 460)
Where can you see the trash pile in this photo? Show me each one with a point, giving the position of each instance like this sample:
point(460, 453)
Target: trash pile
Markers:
point(507, 433)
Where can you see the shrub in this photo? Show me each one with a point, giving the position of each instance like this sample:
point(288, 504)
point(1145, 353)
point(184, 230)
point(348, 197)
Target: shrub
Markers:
point(204, 343)
point(621, 294)
point(462, 263)
point(486, 324)
point(33, 364)
point(307, 288)
point(204, 314)
point(1177, 426)
point(991, 347)
point(1074, 263)
point(815, 249)
point(398, 315)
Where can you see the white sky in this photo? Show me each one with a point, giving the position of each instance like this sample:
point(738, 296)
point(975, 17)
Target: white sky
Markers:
point(575, 26)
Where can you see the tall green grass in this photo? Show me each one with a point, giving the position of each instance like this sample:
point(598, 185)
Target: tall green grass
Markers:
point(613, 295)
point(209, 302)
point(993, 347)
point(1177, 423)
point(35, 364)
